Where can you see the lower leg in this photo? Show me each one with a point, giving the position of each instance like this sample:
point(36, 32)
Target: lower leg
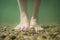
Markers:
point(24, 22)
point(35, 9)
point(34, 18)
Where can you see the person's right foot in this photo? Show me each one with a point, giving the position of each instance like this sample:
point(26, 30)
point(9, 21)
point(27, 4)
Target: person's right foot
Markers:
point(21, 26)
point(24, 23)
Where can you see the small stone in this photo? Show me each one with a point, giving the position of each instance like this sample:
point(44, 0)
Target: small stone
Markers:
point(2, 36)
point(12, 37)
point(44, 37)
point(39, 38)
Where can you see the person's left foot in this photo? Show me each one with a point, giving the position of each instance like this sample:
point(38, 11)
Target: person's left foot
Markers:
point(34, 24)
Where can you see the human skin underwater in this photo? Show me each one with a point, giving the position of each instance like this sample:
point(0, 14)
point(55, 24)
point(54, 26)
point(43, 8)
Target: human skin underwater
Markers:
point(26, 24)
point(49, 19)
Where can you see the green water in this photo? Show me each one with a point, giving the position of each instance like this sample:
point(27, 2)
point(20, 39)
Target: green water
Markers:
point(49, 12)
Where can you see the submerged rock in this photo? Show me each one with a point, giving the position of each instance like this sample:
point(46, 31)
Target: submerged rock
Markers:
point(13, 37)
point(2, 36)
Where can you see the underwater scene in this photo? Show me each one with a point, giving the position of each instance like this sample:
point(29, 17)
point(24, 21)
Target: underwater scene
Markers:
point(29, 19)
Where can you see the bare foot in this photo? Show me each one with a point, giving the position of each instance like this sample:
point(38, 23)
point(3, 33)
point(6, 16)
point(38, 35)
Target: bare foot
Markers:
point(24, 24)
point(21, 26)
point(34, 24)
